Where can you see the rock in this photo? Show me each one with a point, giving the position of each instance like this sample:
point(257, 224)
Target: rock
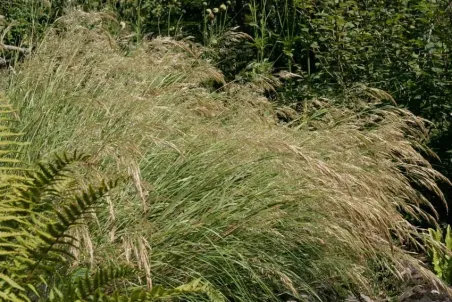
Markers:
point(420, 289)
point(425, 299)
point(422, 293)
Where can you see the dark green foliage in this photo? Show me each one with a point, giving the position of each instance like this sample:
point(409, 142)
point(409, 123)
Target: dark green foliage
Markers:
point(25, 21)
point(399, 46)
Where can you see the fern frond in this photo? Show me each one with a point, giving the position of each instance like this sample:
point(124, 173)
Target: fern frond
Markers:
point(194, 287)
point(55, 233)
point(161, 293)
point(93, 285)
point(46, 176)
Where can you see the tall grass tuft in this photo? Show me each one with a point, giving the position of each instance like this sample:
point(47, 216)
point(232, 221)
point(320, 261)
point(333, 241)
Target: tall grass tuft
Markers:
point(218, 189)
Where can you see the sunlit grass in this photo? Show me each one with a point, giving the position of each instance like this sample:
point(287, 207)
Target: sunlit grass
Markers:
point(218, 189)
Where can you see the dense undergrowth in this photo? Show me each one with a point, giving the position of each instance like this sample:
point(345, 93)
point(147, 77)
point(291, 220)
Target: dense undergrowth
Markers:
point(219, 189)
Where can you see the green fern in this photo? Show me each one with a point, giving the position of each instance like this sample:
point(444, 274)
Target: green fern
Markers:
point(442, 259)
point(36, 213)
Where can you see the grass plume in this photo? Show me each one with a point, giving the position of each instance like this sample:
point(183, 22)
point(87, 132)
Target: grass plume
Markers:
point(219, 189)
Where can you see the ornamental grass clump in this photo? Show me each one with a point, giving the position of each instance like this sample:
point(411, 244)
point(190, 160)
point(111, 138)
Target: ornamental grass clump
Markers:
point(219, 190)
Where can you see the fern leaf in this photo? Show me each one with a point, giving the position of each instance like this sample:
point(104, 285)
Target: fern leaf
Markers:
point(56, 232)
point(11, 282)
point(9, 235)
point(91, 285)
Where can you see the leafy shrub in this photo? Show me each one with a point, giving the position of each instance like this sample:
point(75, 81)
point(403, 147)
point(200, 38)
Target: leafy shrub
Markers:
point(26, 20)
